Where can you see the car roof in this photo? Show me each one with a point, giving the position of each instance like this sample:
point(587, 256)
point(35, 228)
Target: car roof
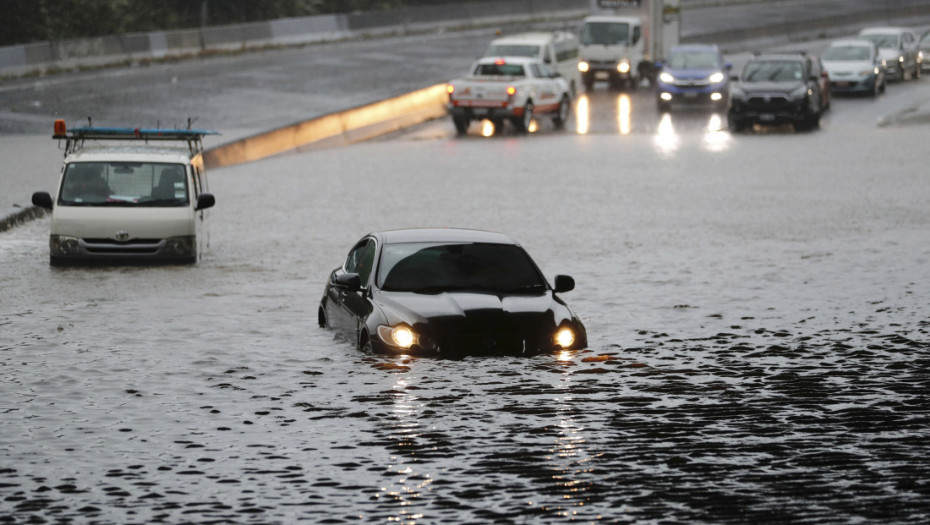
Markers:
point(508, 60)
point(533, 37)
point(130, 152)
point(852, 42)
point(779, 56)
point(883, 30)
point(442, 235)
point(696, 47)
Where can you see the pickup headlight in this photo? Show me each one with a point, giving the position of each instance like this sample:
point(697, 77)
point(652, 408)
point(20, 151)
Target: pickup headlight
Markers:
point(63, 245)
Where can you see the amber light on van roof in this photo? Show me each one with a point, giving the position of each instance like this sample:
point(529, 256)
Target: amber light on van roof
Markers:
point(60, 129)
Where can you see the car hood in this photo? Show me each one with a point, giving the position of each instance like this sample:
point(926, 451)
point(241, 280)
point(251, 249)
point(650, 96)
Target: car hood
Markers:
point(889, 54)
point(770, 87)
point(690, 74)
point(847, 66)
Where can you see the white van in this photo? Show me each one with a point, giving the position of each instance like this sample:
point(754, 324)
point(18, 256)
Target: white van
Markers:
point(129, 195)
point(559, 50)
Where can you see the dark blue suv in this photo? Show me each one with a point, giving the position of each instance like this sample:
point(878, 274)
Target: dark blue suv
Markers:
point(694, 74)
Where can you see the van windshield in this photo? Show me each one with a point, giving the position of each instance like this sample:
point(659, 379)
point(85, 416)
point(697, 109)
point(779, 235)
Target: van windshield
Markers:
point(123, 184)
point(512, 50)
point(605, 33)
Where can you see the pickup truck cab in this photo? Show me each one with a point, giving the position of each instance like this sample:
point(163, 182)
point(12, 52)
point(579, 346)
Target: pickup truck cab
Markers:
point(513, 88)
point(128, 195)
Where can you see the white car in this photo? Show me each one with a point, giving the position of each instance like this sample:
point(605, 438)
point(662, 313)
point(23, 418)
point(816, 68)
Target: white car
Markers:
point(899, 49)
point(854, 66)
point(558, 50)
point(512, 88)
point(128, 195)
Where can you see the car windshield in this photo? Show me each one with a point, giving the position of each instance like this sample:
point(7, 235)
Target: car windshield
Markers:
point(693, 60)
point(846, 53)
point(443, 267)
point(773, 71)
point(500, 70)
point(882, 41)
point(512, 50)
point(123, 184)
point(605, 33)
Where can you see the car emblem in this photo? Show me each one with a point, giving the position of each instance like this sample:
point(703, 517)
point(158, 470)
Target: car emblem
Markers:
point(767, 99)
point(122, 235)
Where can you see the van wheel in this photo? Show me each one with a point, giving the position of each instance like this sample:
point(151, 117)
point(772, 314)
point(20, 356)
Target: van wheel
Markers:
point(461, 125)
point(562, 115)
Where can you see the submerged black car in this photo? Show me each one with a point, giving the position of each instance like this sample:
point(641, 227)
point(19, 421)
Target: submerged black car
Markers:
point(777, 89)
point(448, 292)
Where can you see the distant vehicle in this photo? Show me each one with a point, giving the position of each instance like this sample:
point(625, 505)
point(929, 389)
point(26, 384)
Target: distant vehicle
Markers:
point(447, 292)
point(855, 66)
point(924, 46)
point(623, 40)
point(898, 47)
point(694, 74)
point(817, 68)
point(513, 88)
point(558, 50)
point(775, 89)
point(129, 195)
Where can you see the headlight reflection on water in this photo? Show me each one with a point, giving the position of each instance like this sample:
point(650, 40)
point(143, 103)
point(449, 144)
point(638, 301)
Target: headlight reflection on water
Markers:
point(583, 114)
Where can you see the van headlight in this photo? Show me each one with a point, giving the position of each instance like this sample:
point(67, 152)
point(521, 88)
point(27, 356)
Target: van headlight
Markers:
point(184, 246)
point(623, 67)
point(583, 66)
point(63, 245)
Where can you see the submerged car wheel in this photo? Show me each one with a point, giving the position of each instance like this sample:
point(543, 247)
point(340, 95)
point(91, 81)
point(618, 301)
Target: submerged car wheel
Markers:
point(562, 115)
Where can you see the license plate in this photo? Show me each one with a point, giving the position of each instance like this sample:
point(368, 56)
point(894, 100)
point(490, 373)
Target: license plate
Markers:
point(842, 84)
point(480, 111)
point(601, 75)
point(690, 95)
point(767, 117)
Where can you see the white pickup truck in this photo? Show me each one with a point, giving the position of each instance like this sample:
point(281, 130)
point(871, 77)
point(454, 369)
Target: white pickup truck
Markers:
point(514, 88)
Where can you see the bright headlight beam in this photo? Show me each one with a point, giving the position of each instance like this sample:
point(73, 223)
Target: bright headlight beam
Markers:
point(402, 336)
point(565, 337)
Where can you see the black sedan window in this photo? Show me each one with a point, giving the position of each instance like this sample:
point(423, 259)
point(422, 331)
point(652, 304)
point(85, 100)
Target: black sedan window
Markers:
point(435, 268)
point(773, 71)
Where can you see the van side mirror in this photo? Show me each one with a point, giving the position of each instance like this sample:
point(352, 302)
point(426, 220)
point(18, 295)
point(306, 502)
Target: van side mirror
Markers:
point(564, 283)
point(42, 199)
point(205, 201)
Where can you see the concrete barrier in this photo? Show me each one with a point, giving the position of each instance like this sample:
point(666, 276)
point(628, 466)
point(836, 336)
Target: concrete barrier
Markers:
point(352, 125)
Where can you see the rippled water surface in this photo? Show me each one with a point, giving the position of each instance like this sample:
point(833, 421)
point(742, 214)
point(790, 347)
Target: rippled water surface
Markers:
point(758, 324)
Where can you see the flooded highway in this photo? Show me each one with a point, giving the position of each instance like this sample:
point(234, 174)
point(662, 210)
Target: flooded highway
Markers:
point(756, 307)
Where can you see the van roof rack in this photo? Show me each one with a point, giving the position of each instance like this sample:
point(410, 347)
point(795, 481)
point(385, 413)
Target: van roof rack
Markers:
point(75, 137)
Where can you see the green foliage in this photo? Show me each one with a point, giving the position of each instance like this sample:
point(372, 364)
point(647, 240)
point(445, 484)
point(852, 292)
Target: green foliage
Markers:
point(25, 21)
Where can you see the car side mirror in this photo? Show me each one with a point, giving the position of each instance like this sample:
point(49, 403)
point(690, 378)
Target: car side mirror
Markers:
point(728, 66)
point(42, 199)
point(350, 282)
point(205, 201)
point(564, 283)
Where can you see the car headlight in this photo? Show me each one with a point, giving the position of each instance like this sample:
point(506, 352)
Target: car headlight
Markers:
point(666, 77)
point(565, 337)
point(402, 336)
point(63, 245)
point(800, 92)
point(716, 78)
point(623, 67)
point(583, 66)
point(901, 59)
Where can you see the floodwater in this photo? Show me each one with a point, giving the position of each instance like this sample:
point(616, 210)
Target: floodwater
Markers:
point(756, 308)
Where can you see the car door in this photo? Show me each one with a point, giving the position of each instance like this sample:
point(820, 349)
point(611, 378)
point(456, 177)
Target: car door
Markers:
point(348, 308)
